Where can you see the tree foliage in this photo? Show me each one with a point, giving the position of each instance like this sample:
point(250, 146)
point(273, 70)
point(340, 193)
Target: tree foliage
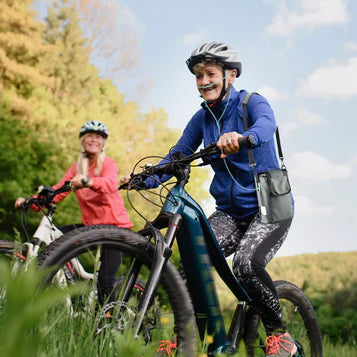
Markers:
point(26, 161)
point(21, 50)
point(59, 91)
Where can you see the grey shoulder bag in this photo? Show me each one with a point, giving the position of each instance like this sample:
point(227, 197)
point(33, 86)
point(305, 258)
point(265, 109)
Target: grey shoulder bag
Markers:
point(272, 187)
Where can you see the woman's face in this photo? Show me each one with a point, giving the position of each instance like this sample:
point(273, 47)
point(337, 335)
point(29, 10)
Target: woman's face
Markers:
point(206, 75)
point(93, 143)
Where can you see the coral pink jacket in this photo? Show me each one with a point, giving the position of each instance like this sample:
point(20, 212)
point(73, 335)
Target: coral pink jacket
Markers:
point(102, 203)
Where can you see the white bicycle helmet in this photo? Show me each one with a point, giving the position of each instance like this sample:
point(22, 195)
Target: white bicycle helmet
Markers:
point(94, 126)
point(219, 51)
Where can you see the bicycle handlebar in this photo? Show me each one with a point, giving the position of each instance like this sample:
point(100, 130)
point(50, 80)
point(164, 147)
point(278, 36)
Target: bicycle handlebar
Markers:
point(179, 163)
point(46, 195)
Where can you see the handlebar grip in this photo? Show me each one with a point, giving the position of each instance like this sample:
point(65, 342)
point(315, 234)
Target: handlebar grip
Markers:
point(124, 186)
point(84, 181)
point(136, 183)
point(246, 141)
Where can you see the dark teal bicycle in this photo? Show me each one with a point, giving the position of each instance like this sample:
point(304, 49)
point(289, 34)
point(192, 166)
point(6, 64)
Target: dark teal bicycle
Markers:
point(171, 313)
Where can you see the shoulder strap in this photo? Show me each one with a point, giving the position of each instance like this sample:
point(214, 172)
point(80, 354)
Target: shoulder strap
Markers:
point(244, 106)
point(245, 123)
point(280, 151)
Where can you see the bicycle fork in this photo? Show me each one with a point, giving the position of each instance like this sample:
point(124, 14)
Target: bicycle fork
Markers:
point(162, 254)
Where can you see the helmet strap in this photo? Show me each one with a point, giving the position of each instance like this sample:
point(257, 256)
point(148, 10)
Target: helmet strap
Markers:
point(86, 154)
point(223, 91)
point(209, 106)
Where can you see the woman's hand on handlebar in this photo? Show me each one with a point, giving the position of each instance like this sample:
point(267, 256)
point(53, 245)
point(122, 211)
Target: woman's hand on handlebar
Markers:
point(228, 142)
point(80, 181)
point(124, 180)
point(19, 201)
point(23, 202)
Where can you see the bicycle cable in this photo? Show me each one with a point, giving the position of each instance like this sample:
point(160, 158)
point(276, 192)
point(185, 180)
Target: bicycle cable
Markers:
point(217, 121)
point(160, 195)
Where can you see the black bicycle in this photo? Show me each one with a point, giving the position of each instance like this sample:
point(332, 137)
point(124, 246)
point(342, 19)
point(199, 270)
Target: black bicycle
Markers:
point(172, 313)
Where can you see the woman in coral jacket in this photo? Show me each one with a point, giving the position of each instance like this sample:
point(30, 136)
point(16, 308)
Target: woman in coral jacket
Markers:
point(94, 178)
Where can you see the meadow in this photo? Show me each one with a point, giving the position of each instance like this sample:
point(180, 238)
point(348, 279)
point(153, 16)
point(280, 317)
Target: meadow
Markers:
point(31, 325)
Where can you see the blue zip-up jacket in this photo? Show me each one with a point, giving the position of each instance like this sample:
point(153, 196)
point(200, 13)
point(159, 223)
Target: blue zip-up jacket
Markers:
point(236, 197)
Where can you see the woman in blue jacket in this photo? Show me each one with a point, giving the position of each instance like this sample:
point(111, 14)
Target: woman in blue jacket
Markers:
point(236, 222)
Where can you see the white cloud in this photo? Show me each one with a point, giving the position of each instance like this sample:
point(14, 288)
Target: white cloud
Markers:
point(288, 46)
point(304, 118)
point(308, 118)
point(350, 46)
point(316, 169)
point(289, 127)
point(307, 14)
point(305, 206)
point(354, 160)
point(331, 80)
point(354, 164)
point(270, 93)
point(195, 38)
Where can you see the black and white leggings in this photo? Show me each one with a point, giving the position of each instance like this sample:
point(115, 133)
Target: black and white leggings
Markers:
point(254, 244)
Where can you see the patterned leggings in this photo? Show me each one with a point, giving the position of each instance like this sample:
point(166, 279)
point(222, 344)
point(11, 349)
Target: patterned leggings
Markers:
point(254, 244)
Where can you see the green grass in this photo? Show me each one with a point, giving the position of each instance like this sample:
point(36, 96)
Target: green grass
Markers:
point(34, 323)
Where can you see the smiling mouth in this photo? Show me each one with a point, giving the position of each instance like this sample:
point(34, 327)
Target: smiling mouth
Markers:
point(93, 146)
point(209, 89)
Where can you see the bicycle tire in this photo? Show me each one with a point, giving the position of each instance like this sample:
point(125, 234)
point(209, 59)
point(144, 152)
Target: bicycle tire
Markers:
point(10, 250)
point(299, 317)
point(88, 239)
point(12, 257)
point(6, 245)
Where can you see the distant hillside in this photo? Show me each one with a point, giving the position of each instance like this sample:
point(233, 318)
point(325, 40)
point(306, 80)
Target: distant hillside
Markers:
point(316, 274)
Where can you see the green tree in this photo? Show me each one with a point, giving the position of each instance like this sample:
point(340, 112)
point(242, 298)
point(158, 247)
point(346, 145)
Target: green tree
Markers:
point(69, 64)
point(132, 134)
point(25, 162)
point(21, 50)
point(30, 151)
point(70, 93)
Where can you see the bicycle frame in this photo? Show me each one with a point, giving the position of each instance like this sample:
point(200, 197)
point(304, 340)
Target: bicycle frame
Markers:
point(46, 233)
point(199, 250)
point(197, 254)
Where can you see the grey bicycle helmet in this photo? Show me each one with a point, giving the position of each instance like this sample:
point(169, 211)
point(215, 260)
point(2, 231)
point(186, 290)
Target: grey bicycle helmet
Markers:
point(94, 126)
point(219, 51)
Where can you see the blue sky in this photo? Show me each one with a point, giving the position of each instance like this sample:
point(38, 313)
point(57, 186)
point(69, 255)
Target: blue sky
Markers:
point(302, 56)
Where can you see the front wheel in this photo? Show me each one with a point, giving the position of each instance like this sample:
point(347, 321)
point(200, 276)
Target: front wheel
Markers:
point(9, 250)
point(13, 257)
point(170, 320)
point(299, 317)
point(12, 254)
